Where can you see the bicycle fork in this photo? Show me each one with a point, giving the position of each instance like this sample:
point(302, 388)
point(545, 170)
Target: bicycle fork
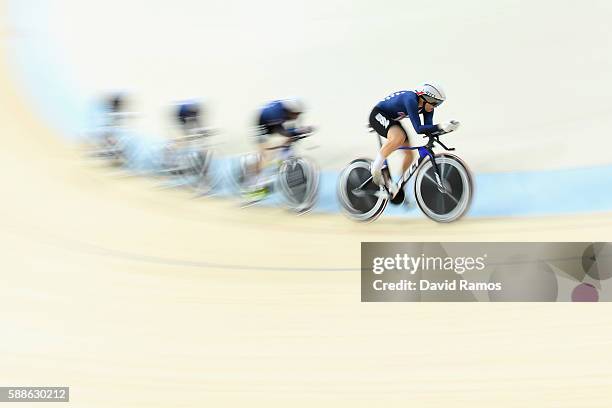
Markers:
point(438, 178)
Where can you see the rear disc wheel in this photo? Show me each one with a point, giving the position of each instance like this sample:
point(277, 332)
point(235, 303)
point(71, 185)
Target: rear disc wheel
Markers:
point(361, 199)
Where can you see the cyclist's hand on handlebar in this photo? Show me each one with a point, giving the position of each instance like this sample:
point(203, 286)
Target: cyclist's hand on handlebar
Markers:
point(449, 126)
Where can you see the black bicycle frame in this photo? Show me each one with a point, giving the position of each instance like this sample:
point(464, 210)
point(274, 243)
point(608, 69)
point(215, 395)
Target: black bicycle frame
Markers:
point(424, 152)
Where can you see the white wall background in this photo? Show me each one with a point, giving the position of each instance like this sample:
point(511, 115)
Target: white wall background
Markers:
point(519, 74)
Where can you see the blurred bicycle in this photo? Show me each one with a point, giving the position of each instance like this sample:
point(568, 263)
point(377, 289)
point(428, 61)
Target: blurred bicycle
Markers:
point(189, 159)
point(296, 178)
point(109, 139)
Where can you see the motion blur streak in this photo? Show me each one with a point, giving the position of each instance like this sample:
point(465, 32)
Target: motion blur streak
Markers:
point(138, 334)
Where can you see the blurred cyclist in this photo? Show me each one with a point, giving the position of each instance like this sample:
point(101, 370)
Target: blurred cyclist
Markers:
point(274, 116)
point(114, 108)
point(116, 102)
point(271, 121)
point(386, 115)
point(188, 115)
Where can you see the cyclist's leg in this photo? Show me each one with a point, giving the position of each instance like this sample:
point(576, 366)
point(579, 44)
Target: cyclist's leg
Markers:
point(390, 129)
point(396, 137)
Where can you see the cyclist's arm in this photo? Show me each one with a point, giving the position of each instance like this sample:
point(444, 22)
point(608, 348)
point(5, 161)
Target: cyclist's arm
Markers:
point(428, 117)
point(287, 132)
point(412, 111)
point(276, 118)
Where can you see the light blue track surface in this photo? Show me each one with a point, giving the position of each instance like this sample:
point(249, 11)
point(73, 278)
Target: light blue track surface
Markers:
point(502, 194)
point(517, 194)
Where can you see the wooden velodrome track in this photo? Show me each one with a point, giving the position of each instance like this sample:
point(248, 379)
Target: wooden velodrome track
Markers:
point(137, 297)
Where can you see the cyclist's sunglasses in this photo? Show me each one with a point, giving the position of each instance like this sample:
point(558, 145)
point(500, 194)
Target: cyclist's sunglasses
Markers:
point(432, 101)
